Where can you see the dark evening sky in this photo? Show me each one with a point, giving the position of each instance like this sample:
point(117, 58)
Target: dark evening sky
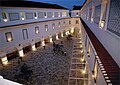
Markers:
point(65, 3)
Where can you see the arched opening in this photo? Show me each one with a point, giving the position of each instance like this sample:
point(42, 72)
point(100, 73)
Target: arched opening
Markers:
point(54, 37)
point(27, 49)
point(64, 33)
point(12, 55)
point(46, 40)
point(38, 44)
point(59, 35)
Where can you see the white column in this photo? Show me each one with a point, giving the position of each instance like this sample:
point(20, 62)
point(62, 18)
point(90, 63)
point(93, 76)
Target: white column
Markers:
point(21, 53)
point(4, 60)
point(50, 39)
point(43, 42)
point(33, 47)
point(72, 30)
point(66, 33)
point(61, 34)
point(56, 36)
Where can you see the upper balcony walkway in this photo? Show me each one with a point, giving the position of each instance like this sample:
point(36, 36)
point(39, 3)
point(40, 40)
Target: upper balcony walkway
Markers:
point(108, 63)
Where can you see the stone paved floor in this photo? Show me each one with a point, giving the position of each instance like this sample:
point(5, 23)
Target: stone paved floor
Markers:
point(48, 68)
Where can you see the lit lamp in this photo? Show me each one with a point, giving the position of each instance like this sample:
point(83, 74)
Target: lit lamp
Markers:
point(21, 53)
point(72, 30)
point(4, 61)
point(102, 23)
point(45, 16)
point(77, 15)
point(35, 17)
point(37, 31)
point(5, 20)
point(33, 47)
point(59, 26)
point(23, 18)
point(83, 71)
point(9, 39)
point(82, 59)
point(81, 51)
point(91, 20)
point(93, 74)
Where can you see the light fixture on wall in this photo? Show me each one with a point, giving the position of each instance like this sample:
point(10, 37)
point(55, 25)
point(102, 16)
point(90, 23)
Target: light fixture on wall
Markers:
point(9, 39)
point(36, 17)
point(5, 20)
point(83, 71)
point(102, 23)
point(82, 59)
point(91, 20)
point(23, 18)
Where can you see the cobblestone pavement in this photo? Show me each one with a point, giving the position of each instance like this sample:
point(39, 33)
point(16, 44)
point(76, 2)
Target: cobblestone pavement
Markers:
point(48, 68)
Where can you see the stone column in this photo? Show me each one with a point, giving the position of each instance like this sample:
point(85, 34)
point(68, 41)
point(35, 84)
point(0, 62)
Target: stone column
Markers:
point(61, 34)
point(4, 58)
point(43, 42)
point(21, 53)
point(57, 37)
point(50, 39)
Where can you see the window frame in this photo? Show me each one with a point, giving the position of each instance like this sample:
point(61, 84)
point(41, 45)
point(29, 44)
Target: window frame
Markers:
point(4, 16)
point(37, 29)
point(77, 21)
point(46, 28)
point(22, 15)
point(9, 33)
point(53, 26)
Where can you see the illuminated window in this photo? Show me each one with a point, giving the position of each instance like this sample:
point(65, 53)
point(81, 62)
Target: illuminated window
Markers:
point(53, 15)
point(22, 15)
point(53, 26)
point(4, 16)
point(9, 37)
point(46, 28)
point(77, 22)
point(59, 25)
point(45, 14)
point(25, 34)
point(35, 15)
point(58, 14)
point(88, 53)
point(36, 30)
point(77, 14)
point(64, 14)
point(69, 22)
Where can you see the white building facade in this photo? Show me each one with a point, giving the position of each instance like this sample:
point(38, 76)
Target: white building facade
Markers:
point(26, 28)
